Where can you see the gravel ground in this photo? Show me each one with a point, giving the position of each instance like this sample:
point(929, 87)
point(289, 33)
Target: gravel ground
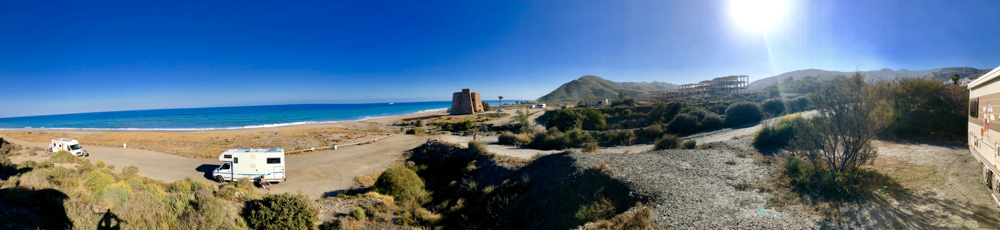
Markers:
point(694, 189)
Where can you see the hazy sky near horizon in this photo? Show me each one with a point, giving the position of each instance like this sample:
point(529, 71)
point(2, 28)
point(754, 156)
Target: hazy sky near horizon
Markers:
point(72, 57)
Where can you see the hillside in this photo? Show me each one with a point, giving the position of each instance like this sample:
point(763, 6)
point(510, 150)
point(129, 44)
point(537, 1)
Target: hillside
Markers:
point(884, 74)
point(591, 86)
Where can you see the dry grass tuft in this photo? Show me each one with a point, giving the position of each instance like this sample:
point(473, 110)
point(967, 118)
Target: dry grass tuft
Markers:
point(603, 167)
point(366, 180)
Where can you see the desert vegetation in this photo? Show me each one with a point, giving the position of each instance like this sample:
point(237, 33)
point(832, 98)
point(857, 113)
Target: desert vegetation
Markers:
point(93, 195)
point(443, 185)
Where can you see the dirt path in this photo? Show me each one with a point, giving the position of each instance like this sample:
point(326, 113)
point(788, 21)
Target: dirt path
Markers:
point(313, 174)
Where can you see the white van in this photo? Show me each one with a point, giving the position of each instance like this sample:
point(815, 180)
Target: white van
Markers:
point(251, 163)
point(68, 145)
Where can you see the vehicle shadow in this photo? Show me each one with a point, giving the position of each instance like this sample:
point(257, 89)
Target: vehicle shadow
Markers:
point(207, 169)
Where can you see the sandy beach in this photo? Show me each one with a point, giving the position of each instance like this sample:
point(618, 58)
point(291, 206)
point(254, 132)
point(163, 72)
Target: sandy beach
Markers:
point(175, 155)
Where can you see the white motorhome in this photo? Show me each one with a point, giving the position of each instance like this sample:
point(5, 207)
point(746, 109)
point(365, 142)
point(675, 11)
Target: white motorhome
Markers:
point(68, 145)
point(982, 93)
point(251, 163)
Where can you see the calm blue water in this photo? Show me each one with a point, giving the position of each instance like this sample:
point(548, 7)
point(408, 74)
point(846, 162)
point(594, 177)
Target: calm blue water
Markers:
point(223, 117)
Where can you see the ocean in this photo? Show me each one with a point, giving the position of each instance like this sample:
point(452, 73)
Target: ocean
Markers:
point(222, 118)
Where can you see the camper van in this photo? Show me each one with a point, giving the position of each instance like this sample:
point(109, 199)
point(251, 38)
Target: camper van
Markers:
point(68, 145)
point(251, 163)
point(984, 138)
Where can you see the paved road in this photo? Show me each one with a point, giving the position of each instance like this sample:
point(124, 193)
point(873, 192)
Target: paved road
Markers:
point(312, 174)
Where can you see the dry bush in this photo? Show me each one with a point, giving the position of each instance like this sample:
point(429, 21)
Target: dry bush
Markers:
point(213, 213)
point(63, 157)
point(689, 144)
point(591, 148)
point(601, 209)
point(36, 179)
point(130, 171)
point(144, 210)
point(115, 194)
point(603, 167)
point(637, 218)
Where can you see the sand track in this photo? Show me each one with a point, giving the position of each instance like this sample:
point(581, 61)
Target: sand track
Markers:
point(312, 174)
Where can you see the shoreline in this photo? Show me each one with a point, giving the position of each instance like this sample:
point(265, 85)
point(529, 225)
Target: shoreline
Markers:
point(265, 127)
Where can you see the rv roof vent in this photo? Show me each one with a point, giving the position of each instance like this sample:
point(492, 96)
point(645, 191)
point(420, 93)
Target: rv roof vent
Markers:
point(273, 150)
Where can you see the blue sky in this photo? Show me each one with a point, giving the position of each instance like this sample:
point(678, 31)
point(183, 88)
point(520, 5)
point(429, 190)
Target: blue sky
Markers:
point(71, 57)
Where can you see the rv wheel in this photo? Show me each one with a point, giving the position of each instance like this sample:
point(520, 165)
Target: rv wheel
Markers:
point(987, 177)
point(219, 179)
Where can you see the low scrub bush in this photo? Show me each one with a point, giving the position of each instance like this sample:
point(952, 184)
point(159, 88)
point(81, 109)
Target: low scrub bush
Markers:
point(478, 147)
point(711, 122)
point(742, 113)
point(130, 171)
point(98, 181)
point(780, 134)
point(214, 213)
point(690, 144)
point(402, 184)
point(280, 211)
point(668, 141)
point(683, 124)
point(417, 130)
point(508, 138)
point(553, 139)
point(591, 148)
point(63, 157)
point(774, 106)
point(601, 209)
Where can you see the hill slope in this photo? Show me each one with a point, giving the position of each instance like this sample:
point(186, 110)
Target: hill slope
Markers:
point(884, 74)
point(591, 86)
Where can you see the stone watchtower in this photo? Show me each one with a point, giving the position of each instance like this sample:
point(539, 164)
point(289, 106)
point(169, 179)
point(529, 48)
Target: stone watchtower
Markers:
point(465, 102)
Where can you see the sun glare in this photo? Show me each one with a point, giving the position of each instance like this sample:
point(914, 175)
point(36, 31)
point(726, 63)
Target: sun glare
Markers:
point(757, 15)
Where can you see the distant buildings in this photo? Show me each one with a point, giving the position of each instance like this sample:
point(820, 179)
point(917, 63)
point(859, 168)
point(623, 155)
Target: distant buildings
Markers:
point(719, 85)
point(466, 102)
point(593, 102)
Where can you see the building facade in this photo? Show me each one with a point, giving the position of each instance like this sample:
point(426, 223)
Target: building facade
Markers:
point(719, 85)
point(466, 102)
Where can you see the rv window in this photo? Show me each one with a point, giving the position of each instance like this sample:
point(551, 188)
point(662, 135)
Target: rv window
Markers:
point(227, 156)
point(274, 160)
point(974, 108)
point(236, 160)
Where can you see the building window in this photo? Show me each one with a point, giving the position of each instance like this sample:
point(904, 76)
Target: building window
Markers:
point(274, 160)
point(974, 108)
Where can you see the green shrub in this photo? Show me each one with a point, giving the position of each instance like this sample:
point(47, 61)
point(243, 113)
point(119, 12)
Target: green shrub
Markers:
point(742, 113)
point(711, 122)
point(417, 130)
point(115, 194)
point(601, 209)
point(144, 211)
point(553, 139)
point(63, 157)
point(683, 124)
point(698, 113)
point(461, 126)
point(780, 134)
point(651, 132)
point(100, 164)
point(507, 138)
point(98, 181)
point(245, 183)
point(215, 213)
point(690, 144)
point(358, 214)
point(774, 106)
point(575, 118)
point(420, 123)
point(280, 211)
point(668, 141)
point(478, 147)
point(402, 184)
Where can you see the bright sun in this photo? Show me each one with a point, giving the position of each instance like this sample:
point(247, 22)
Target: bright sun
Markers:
point(757, 15)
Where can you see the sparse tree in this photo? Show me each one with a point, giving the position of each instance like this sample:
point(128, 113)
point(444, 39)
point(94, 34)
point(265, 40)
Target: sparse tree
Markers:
point(852, 114)
point(500, 103)
point(954, 79)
